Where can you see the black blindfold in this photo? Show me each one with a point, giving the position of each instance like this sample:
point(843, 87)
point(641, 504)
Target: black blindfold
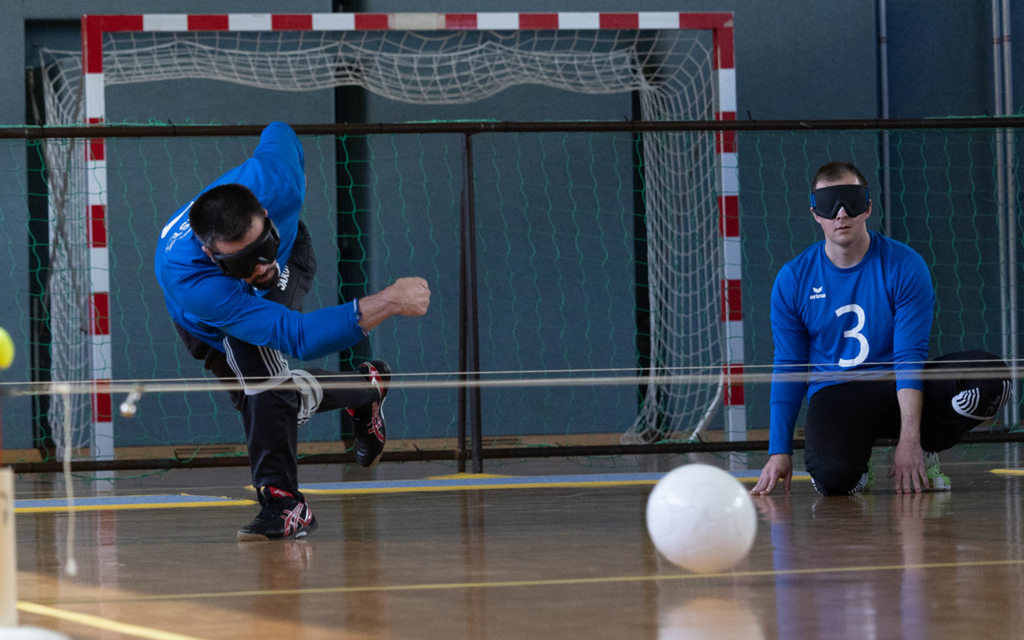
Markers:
point(827, 201)
point(241, 264)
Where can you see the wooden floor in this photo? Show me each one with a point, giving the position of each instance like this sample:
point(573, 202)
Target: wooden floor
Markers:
point(570, 561)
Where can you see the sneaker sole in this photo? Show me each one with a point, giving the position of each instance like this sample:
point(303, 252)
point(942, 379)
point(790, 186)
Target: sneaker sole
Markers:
point(259, 537)
point(251, 537)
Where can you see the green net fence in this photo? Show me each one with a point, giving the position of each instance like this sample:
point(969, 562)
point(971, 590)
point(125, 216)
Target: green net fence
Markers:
point(557, 269)
point(563, 271)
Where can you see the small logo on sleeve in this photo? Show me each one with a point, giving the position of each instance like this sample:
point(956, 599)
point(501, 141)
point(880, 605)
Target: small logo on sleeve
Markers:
point(817, 294)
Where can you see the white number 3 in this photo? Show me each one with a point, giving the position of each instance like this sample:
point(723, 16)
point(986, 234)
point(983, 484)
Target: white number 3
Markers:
point(855, 334)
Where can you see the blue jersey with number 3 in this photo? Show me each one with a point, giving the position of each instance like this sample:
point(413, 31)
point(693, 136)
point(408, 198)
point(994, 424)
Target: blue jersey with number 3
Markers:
point(865, 320)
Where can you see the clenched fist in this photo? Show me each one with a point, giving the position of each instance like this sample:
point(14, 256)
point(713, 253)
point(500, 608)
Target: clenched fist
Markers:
point(405, 297)
point(412, 295)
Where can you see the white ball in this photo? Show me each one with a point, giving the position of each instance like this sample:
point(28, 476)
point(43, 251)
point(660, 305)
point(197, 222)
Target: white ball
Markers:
point(701, 518)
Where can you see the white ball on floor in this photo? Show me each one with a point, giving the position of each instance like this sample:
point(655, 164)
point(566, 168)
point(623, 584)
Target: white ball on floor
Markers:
point(29, 633)
point(701, 518)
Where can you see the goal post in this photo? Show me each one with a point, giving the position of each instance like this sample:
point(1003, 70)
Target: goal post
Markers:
point(681, 65)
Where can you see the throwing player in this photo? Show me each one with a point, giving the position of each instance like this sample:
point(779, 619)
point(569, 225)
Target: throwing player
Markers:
point(235, 265)
point(860, 305)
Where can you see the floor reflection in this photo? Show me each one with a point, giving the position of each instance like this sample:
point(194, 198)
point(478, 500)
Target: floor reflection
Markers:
point(567, 562)
point(710, 619)
point(900, 566)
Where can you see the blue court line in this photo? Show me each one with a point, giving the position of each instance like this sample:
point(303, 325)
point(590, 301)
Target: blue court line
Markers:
point(124, 502)
point(509, 482)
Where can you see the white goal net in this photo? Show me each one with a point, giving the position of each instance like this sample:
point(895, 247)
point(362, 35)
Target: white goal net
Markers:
point(672, 70)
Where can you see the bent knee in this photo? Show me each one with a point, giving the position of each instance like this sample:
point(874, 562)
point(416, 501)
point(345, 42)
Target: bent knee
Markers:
point(838, 481)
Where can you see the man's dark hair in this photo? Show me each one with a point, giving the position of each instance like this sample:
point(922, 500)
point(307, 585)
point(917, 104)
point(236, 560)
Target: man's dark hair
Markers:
point(223, 214)
point(836, 170)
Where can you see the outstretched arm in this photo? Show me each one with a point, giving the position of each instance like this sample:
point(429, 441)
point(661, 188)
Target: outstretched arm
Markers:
point(789, 334)
point(406, 297)
point(228, 306)
point(908, 461)
point(914, 308)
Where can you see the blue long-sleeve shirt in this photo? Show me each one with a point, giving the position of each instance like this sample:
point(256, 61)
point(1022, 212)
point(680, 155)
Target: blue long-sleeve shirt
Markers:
point(210, 305)
point(869, 319)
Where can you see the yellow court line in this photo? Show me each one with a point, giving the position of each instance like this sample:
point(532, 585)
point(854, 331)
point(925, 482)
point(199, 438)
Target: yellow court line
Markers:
point(1007, 472)
point(473, 487)
point(141, 505)
point(542, 583)
point(385, 489)
point(101, 623)
point(529, 485)
point(464, 476)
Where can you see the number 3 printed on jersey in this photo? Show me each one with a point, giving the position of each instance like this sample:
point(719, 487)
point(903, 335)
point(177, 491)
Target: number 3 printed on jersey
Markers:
point(855, 334)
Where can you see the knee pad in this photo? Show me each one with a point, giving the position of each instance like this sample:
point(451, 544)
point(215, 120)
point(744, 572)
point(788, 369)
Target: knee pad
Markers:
point(841, 482)
point(311, 394)
point(983, 401)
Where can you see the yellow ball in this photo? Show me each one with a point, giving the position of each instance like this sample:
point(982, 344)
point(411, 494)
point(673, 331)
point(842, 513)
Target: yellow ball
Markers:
point(6, 349)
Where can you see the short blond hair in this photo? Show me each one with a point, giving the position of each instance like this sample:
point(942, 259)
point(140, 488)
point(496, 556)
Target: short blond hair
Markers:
point(837, 169)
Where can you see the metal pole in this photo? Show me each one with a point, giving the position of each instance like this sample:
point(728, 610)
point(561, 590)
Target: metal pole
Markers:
point(105, 132)
point(472, 318)
point(883, 57)
point(1007, 61)
point(1001, 195)
point(1011, 209)
point(463, 319)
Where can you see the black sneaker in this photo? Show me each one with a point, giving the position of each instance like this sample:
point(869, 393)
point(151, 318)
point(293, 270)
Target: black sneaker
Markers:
point(368, 420)
point(283, 517)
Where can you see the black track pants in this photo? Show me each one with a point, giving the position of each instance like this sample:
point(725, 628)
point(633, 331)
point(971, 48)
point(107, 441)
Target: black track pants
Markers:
point(844, 420)
point(276, 399)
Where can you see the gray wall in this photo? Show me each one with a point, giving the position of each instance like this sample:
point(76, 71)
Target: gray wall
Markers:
point(795, 59)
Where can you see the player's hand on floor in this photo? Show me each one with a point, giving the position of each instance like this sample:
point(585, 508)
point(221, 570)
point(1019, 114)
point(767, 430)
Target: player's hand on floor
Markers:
point(907, 468)
point(778, 467)
point(413, 295)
